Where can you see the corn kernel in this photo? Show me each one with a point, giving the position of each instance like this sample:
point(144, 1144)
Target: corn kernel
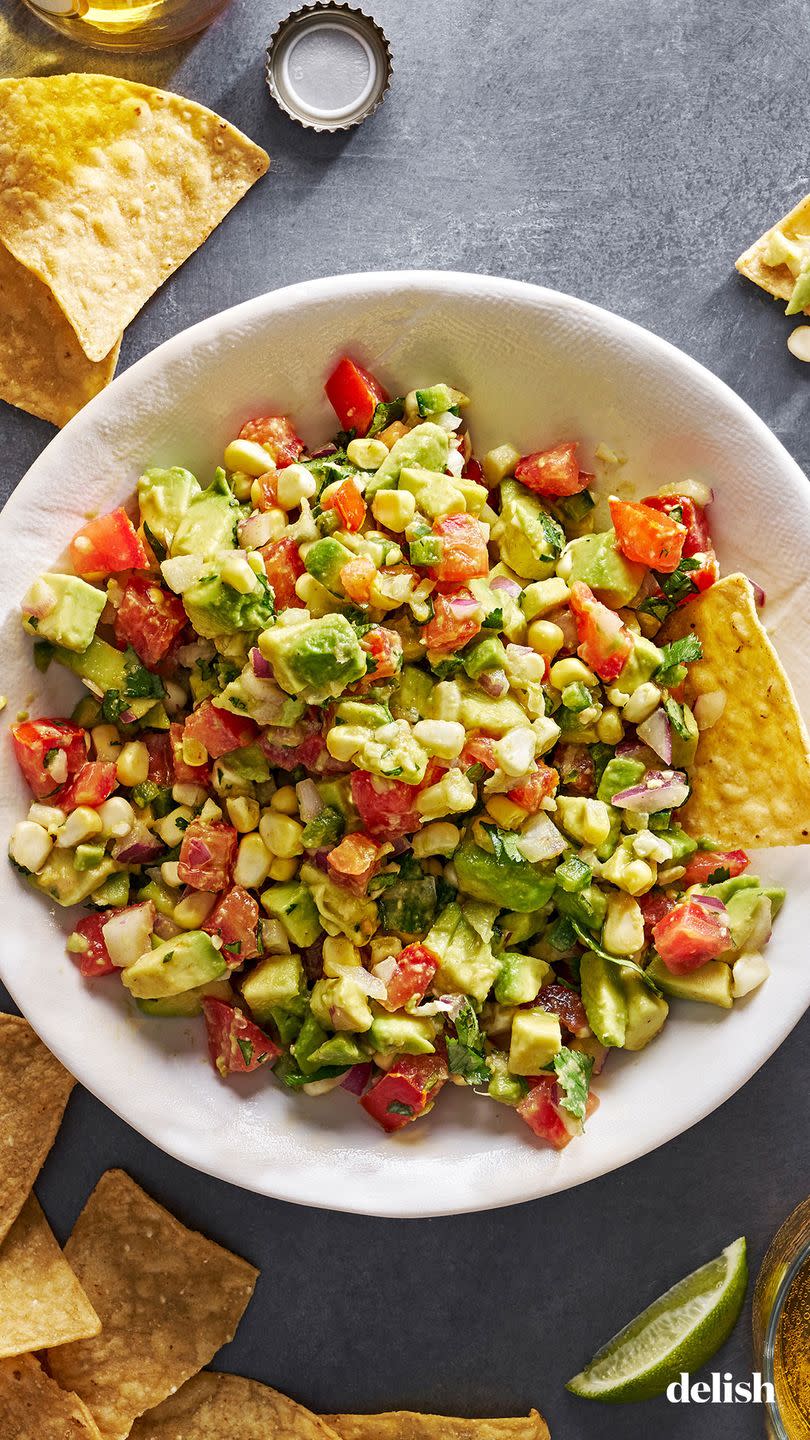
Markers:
point(189, 794)
point(193, 911)
point(236, 571)
point(107, 743)
point(443, 738)
point(440, 838)
point(247, 456)
point(194, 752)
point(50, 817)
point(243, 813)
point(281, 834)
point(315, 596)
point(132, 766)
point(117, 817)
point(295, 483)
point(343, 741)
point(241, 484)
point(252, 862)
point(548, 733)
point(570, 671)
point(393, 508)
point(285, 800)
point(543, 596)
point(624, 925)
point(30, 846)
point(515, 750)
point(172, 827)
point(545, 637)
point(452, 795)
point(446, 702)
point(81, 824)
point(609, 727)
point(211, 812)
point(170, 874)
point(281, 869)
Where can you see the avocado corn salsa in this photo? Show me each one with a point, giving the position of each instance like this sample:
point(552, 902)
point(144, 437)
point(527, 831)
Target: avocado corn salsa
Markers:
point(380, 764)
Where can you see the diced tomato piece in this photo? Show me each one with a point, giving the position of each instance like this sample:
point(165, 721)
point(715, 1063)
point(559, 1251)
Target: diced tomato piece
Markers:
point(91, 785)
point(408, 1090)
point(576, 769)
point(207, 855)
point(95, 960)
point(540, 785)
point(683, 508)
point(464, 548)
point(386, 807)
point(235, 918)
point(185, 774)
point(647, 536)
point(356, 577)
point(265, 495)
point(349, 503)
point(283, 566)
point(159, 745)
point(149, 619)
point(478, 750)
point(107, 545)
point(706, 574)
point(455, 621)
point(277, 436)
point(384, 651)
point(604, 641)
point(354, 861)
point(690, 934)
point(219, 730)
point(235, 1044)
point(416, 967)
point(547, 1117)
point(38, 744)
point(474, 470)
point(553, 472)
point(700, 867)
point(354, 395)
point(566, 1004)
point(655, 904)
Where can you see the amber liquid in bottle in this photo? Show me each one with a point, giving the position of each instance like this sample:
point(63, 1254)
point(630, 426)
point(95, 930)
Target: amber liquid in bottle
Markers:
point(791, 1360)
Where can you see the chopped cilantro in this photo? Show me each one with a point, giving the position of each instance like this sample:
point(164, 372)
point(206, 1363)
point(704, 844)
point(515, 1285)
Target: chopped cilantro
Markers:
point(465, 1054)
point(674, 588)
point(573, 1071)
point(385, 412)
point(234, 947)
point(158, 548)
point(675, 715)
point(718, 876)
point(398, 1107)
point(246, 1046)
point(677, 655)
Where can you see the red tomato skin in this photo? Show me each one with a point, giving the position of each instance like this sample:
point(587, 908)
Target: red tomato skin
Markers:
point(699, 867)
point(354, 395)
point(566, 1004)
point(655, 904)
point(107, 545)
point(283, 566)
point(276, 434)
point(474, 470)
point(150, 618)
point(605, 643)
point(95, 960)
point(185, 774)
point(91, 785)
point(446, 630)
point(354, 861)
point(356, 577)
point(386, 807)
point(540, 785)
point(219, 731)
point(227, 1026)
point(235, 918)
point(211, 872)
point(698, 536)
point(413, 1080)
point(647, 536)
point(543, 1113)
point(464, 548)
point(479, 750)
point(32, 739)
point(689, 935)
point(416, 967)
point(553, 472)
point(159, 745)
point(349, 503)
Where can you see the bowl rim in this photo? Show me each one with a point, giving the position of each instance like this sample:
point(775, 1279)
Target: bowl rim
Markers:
point(334, 288)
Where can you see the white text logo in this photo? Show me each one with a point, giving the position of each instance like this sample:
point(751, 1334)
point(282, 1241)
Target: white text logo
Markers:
point(720, 1390)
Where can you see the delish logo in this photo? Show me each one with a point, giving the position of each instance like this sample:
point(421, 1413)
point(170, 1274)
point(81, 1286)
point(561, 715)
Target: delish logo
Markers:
point(721, 1390)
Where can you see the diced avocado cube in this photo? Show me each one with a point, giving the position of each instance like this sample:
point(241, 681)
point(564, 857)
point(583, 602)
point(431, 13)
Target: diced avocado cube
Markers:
point(340, 912)
point(163, 899)
point(275, 981)
point(316, 660)
point(361, 712)
point(436, 399)
point(113, 893)
point(640, 665)
point(646, 1012)
point(506, 1088)
point(208, 524)
point(188, 1003)
point(710, 983)
point(536, 1039)
point(340, 1004)
point(518, 928)
point(800, 297)
point(604, 998)
point(485, 654)
point(499, 880)
point(99, 663)
point(494, 717)
point(288, 1023)
point(74, 614)
point(412, 696)
point(530, 540)
point(88, 857)
point(588, 907)
point(434, 494)
point(467, 964)
point(520, 978)
point(573, 874)
point(216, 609)
point(596, 560)
point(164, 497)
point(325, 560)
point(61, 881)
point(425, 446)
point(311, 1036)
point(338, 1050)
point(86, 712)
point(182, 963)
point(403, 1034)
point(293, 905)
point(681, 844)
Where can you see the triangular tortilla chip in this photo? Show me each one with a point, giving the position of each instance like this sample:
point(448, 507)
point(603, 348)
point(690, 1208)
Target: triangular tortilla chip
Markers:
point(41, 1301)
point(751, 776)
point(34, 1090)
point(32, 1407)
point(405, 1425)
point(778, 280)
point(168, 1299)
point(43, 368)
point(108, 186)
point(226, 1407)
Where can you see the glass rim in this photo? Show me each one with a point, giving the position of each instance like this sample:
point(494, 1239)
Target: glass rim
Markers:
point(800, 1259)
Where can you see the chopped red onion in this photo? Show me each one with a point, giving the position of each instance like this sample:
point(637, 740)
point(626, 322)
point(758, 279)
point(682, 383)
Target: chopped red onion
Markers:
point(462, 606)
point(165, 927)
point(370, 985)
point(455, 1004)
point(256, 530)
point(356, 1079)
point(659, 791)
point(259, 665)
point(759, 594)
point(310, 803)
point(198, 852)
point(138, 847)
point(494, 683)
point(540, 839)
point(657, 733)
point(510, 587)
point(324, 450)
point(711, 901)
point(386, 968)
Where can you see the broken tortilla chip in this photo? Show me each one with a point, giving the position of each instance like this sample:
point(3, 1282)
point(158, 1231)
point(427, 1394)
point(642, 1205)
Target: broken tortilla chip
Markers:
point(168, 1299)
point(43, 368)
point(226, 1407)
point(751, 777)
point(41, 1301)
point(778, 280)
point(405, 1425)
point(34, 1090)
point(108, 186)
point(32, 1405)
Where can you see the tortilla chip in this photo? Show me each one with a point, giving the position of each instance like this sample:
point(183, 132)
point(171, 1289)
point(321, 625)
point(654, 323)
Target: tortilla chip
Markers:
point(168, 1299)
point(226, 1407)
point(32, 1407)
point(778, 280)
point(41, 1301)
point(34, 1090)
point(405, 1425)
point(751, 777)
point(43, 368)
point(108, 186)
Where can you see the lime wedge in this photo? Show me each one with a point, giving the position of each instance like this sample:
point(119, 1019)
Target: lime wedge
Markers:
point(679, 1331)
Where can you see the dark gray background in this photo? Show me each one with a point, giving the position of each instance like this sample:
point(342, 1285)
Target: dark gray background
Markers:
point(626, 152)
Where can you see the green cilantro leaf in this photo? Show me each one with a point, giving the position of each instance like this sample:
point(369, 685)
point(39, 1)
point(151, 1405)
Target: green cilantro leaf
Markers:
point(158, 548)
point(674, 588)
point(675, 715)
point(505, 845)
point(590, 944)
point(246, 1046)
point(718, 876)
point(140, 683)
point(385, 412)
point(465, 1054)
point(677, 655)
point(573, 1071)
point(398, 1107)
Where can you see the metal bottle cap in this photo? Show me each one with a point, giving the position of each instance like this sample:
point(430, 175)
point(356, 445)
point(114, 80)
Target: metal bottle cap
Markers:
point(328, 66)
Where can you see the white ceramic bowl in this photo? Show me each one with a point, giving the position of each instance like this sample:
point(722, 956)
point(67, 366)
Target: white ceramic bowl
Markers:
point(540, 366)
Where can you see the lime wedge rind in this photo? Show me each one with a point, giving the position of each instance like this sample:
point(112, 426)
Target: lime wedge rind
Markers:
point(680, 1331)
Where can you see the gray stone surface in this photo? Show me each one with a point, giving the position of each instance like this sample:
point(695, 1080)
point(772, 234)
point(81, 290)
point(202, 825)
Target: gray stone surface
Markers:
point(625, 152)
